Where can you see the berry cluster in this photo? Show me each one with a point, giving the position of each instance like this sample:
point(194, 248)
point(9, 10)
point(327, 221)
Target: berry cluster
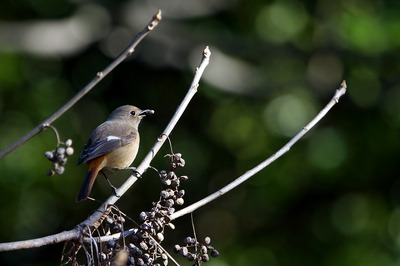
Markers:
point(59, 157)
point(193, 250)
point(107, 253)
point(141, 244)
point(143, 247)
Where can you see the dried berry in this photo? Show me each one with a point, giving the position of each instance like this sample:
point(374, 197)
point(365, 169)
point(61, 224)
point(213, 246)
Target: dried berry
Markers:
point(214, 253)
point(68, 143)
point(49, 155)
point(187, 240)
point(164, 194)
point(61, 150)
point(183, 178)
point(180, 201)
point(191, 256)
point(184, 251)
point(69, 151)
point(177, 248)
point(205, 257)
point(203, 249)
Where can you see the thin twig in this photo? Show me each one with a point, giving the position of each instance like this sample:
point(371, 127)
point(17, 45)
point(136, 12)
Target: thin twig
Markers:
point(194, 230)
point(99, 76)
point(57, 135)
point(341, 91)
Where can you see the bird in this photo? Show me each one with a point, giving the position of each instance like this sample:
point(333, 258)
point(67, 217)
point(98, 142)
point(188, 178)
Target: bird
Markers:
point(112, 145)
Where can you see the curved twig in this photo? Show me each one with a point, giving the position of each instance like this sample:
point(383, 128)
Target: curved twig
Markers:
point(339, 92)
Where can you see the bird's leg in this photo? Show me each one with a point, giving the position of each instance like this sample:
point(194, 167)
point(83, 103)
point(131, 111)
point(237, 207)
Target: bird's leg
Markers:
point(113, 188)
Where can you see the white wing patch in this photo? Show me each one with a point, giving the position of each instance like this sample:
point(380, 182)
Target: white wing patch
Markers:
point(112, 138)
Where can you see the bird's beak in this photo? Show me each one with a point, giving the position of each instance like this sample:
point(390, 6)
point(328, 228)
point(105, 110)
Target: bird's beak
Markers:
point(146, 112)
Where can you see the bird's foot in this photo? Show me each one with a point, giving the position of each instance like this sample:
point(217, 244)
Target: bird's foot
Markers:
point(136, 173)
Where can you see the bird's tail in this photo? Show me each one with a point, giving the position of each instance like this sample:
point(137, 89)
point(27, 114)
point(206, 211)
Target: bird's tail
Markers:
point(88, 182)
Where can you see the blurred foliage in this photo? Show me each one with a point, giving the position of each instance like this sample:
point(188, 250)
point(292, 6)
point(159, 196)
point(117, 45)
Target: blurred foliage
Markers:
point(334, 199)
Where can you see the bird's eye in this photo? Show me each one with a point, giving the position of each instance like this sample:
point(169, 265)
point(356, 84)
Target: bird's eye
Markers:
point(133, 113)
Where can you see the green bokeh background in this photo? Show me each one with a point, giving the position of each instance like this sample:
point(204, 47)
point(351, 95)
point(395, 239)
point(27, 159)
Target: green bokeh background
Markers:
point(333, 199)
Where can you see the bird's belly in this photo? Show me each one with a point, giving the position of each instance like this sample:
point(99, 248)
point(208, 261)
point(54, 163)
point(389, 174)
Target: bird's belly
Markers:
point(122, 157)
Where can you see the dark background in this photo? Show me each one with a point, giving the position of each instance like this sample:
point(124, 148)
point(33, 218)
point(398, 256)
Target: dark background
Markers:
point(333, 199)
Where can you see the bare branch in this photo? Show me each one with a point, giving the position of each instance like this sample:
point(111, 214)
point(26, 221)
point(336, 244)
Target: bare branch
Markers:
point(99, 76)
point(43, 241)
point(341, 91)
point(76, 233)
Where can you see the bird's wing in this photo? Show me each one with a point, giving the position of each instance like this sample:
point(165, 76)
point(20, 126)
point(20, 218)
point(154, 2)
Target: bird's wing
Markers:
point(106, 138)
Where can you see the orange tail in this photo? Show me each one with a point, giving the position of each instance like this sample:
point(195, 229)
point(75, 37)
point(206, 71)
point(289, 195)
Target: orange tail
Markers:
point(94, 167)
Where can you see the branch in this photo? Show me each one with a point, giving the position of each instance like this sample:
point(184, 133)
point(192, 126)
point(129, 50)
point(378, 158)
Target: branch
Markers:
point(160, 141)
point(42, 241)
point(99, 76)
point(76, 233)
point(339, 92)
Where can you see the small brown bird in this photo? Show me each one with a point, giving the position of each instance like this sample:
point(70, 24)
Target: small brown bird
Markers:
point(113, 144)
